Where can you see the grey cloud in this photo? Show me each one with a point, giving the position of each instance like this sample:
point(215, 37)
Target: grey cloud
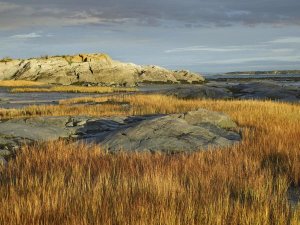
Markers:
point(286, 40)
point(26, 36)
point(6, 7)
point(233, 61)
point(217, 49)
point(151, 13)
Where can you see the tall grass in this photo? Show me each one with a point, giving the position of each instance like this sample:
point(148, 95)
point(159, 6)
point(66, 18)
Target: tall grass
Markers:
point(19, 83)
point(63, 183)
point(140, 104)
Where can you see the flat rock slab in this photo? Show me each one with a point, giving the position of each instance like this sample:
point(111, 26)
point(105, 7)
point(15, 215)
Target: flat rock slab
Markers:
point(14, 132)
point(36, 129)
point(236, 89)
point(266, 90)
point(199, 91)
point(258, 89)
point(175, 133)
point(190, 131)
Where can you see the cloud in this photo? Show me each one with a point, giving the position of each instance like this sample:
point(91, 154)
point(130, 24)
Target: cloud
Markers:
point(283, 50)
point(85, 17)
point(194, 13)
point(15, 16)
point(286, 40)
point(235, 13)
point(27, 36)
point(7, 7)
point(295, 59)
point(202, 48)
point(216, 49)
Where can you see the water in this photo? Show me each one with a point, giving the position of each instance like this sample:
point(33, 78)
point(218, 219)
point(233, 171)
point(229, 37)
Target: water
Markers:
point(18, 100)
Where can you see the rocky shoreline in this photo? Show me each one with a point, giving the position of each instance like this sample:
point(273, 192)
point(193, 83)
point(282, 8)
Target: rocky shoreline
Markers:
point(167, 133)
point(92, 69)
point(237, 89)
point(271, 72)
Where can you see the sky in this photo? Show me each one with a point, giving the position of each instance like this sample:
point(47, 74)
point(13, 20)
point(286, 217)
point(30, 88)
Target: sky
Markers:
point(199, 35)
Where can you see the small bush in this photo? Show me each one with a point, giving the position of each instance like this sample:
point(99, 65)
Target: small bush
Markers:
point(44, 57)
point(6, 59)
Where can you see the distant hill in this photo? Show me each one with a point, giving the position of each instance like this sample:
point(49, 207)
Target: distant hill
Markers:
point(272, 72)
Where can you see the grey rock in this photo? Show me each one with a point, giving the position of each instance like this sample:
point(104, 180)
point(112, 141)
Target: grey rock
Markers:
point(175, 133)
point(190, 131)
point(259, 89)
point(9, 143)
point(200, 91)
point(266, 90)
point(5, 153)
point(37, 129)
point(206, 116)
point(70, 124)
point(75, 136)
point(81, 123)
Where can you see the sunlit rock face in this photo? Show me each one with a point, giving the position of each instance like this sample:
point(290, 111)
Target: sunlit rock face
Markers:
point(91, 68)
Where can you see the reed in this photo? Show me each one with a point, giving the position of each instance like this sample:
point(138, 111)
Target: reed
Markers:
point(65, 183)
point(19, 83)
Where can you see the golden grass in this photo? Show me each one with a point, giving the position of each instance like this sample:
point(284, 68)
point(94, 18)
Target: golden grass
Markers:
point(19, 83)
point(63, 183)
point(140, 104)
point(74, 89)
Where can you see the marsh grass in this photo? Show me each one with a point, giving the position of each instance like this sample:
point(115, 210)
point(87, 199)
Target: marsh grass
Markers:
point(140, 104)
point(74, 89)
point(63, 183)
point(19, 83)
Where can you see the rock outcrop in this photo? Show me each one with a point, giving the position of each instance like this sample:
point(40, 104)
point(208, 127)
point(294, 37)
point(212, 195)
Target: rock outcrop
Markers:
point(199, 92)
point(256, 89)
point(272, 72)
point(266, 90)
point(176, 133)
point(91, 68)
point(190, 131)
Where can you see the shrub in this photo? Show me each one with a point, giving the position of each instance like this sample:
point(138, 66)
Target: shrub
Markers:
point(6, 59)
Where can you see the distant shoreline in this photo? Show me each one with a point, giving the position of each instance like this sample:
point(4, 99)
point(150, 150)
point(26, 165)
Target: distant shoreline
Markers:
point(273, 72)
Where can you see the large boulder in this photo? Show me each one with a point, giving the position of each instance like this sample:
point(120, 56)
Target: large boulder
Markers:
point(175, 133)
point(190, 131)
point(91, 68)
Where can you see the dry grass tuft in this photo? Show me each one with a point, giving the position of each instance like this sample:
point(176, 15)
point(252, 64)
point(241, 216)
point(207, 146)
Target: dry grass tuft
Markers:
point(63, 183)
point(19, 83)
point(74, 89)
